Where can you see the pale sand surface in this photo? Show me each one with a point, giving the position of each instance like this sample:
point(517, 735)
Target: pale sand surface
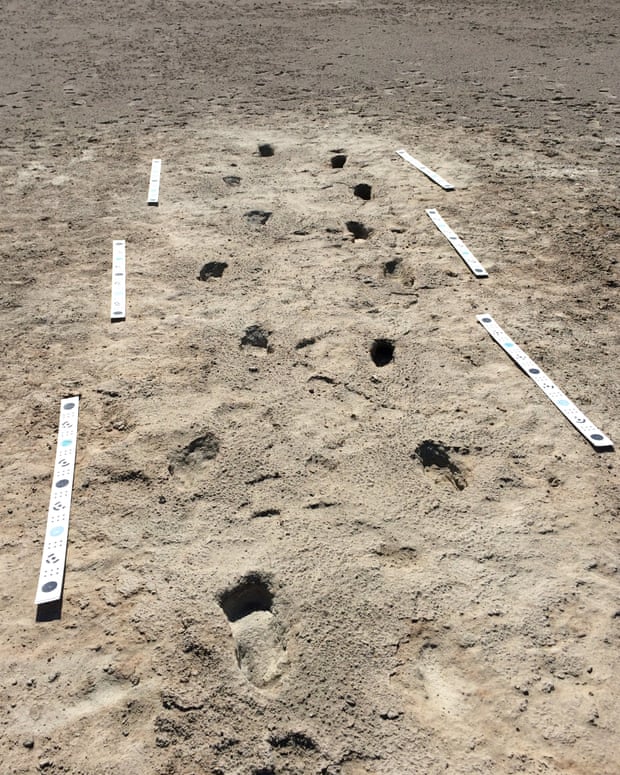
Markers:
point(295, 592)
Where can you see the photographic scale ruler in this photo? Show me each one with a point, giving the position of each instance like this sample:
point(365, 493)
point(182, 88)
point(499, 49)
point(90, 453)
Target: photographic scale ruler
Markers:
point(153, 197)
point(49, 588)
point(596, 437)
point(425, 170)
point(117, 308)
point(458, 244)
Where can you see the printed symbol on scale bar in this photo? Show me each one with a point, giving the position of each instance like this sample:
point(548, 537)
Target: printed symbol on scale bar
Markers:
point(597, 437)
point(49, 586)
point(57, 506)
point(66, 443)
point(68, 406)
point(57, 531)
point(62, 483)
point(52, 559)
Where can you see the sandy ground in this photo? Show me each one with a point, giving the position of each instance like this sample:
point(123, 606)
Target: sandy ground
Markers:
point(285, 557)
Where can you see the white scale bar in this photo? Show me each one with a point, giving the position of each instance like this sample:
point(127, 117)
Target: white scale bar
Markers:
point(117, 309)
point(425, 170)
point(153, 198)
point(458, 244)
point(596, 437)
point(52, 571)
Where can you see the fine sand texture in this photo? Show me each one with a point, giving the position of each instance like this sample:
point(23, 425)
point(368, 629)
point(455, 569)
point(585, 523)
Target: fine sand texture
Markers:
point(322, 524)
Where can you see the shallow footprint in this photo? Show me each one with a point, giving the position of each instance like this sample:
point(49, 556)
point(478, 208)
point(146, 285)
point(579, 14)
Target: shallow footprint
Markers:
point(261, 654)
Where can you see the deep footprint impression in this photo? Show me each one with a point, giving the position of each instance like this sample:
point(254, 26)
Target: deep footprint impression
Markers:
point(255, 336)
point(363, 191)
point(358, 230)
point(382, 352)
point(258, 636)
point(257, 217)
point(435, 455)
point(212, 269)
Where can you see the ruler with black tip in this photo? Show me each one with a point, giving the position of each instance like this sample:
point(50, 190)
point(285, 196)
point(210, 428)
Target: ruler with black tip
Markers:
point(117, 308)
point(153, 197)
point(458, 244)
point(52, 570)
point(425, 170)
point(574, 415)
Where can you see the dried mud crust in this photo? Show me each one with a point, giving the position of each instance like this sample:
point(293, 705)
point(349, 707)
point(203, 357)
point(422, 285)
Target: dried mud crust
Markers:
point(320, 523)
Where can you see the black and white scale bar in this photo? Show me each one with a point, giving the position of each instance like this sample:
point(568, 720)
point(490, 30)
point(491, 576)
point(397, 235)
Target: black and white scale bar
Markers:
point(153, 198)
point(596, 437)
point(52, 571)
point(117, 308)
point(458, 244)
point(425, 170)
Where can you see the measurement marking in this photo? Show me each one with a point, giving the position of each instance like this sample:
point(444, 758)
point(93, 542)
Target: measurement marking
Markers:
point(596, 437)
point(153, 198)
point(458, 244)
point(425, 170)
point(52, 570)
point(117, 309)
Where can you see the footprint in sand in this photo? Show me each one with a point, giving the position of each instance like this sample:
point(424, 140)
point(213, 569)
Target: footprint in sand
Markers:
point(261, 654)
point(194, 454)
point(435, 455)
point(339, 160)
point(382, 352)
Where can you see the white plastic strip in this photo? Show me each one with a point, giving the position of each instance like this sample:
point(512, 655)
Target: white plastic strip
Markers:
point(596, 437)
point(52, 571)
point(154, 183)
point(424, 169)
point(117, 309)
point(458, 244)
